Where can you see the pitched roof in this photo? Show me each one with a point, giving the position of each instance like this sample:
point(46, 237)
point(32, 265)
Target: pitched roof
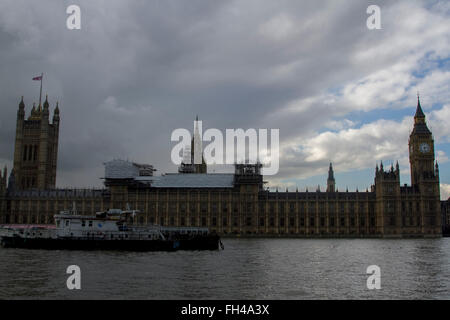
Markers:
point(419, 111)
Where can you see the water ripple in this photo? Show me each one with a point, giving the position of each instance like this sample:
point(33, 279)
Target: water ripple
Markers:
point(246, 269)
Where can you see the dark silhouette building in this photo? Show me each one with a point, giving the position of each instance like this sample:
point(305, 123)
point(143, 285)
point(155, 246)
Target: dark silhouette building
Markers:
point(233, 204)
point(36, 148)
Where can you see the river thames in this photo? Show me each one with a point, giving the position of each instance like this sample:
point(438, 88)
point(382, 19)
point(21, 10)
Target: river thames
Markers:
point(246, 269)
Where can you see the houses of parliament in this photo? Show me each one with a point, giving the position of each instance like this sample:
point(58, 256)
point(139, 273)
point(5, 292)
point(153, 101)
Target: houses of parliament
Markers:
point(235, 204)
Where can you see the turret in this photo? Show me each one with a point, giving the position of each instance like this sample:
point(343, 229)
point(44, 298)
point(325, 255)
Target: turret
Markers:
point(45, 111)
point(56, 114)
point(389, 175)
point(21, 111)
point(34, 114)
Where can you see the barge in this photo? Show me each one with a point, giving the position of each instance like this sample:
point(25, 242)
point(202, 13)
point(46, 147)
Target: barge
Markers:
point(108, 230)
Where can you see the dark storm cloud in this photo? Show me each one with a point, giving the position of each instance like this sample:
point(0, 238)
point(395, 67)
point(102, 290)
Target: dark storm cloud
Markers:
point(139, 69)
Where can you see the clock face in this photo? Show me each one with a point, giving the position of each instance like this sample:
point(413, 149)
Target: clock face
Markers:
point(424, 147)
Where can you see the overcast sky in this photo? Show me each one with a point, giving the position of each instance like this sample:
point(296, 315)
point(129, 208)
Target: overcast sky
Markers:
point(137, 70)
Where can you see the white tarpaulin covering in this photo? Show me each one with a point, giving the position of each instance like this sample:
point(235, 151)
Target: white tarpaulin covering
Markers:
point(121, 169)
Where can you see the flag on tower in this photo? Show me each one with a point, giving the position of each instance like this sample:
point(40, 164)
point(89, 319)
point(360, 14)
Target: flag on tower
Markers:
point(39, 78)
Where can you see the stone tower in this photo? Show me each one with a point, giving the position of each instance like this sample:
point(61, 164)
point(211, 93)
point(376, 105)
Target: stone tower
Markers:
point(425, 172)
point(387, 193)
point(36, 147)
point(331, 182)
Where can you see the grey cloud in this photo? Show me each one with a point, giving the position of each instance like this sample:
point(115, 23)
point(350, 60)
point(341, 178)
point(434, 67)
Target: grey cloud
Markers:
point(162, 62)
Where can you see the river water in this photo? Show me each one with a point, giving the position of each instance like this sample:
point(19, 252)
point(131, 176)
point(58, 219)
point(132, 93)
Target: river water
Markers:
point(246, 269)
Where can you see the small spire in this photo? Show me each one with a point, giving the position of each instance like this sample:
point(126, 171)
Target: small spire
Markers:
point(21, 104)
point(56, 114)
point(46, 102)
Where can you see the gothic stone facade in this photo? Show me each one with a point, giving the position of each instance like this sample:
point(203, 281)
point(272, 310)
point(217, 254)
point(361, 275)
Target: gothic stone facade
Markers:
point(36, 148)
point(238, 204)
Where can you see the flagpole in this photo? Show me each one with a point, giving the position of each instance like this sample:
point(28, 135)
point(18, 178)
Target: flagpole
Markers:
point(40, 93)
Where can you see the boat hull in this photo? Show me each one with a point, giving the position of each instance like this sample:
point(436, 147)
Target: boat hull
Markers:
point(210, 242)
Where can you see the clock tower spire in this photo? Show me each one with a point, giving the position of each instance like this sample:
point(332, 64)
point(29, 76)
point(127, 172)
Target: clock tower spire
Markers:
point(424, 175)
point(421, 148)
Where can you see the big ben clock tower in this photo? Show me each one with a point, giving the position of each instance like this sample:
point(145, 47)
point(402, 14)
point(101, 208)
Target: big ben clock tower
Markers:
point(424, 174)
point(421, 149)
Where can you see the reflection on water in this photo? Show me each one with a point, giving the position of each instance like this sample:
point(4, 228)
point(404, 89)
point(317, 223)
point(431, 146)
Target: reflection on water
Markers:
point(246, 269)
